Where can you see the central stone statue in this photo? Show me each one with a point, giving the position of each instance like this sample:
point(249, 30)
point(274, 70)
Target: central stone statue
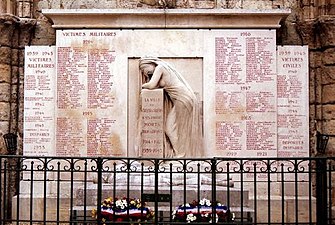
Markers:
point(182, 126)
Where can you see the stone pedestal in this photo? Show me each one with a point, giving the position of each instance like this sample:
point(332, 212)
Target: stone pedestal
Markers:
point(284, 204)
point(289, 206)
point(177, 195)
point(55, 200)
point(38, 207)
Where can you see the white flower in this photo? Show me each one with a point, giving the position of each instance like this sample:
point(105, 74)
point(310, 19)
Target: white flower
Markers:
point(121, 203)
point(186, 205)
point(190, 217)
point(205, 202)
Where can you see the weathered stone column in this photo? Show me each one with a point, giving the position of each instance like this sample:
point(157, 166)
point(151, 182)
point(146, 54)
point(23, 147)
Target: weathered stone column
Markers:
point(15, 35)
point(326, 36)
point(8, 26)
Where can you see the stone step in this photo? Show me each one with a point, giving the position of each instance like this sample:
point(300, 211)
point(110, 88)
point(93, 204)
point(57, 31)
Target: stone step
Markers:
point(179, 194)
point(285, 209)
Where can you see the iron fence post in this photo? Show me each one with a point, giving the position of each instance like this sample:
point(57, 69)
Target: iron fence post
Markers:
point(214, 190)
point(99, 187)
point(156, 190)
point(321, 191)
point(10, 140)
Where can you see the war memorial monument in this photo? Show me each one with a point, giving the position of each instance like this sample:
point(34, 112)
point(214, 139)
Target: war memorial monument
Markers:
point(168, 84)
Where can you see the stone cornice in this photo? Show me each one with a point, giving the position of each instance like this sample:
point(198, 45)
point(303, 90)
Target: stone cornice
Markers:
point(165, 18)
point(9, 18)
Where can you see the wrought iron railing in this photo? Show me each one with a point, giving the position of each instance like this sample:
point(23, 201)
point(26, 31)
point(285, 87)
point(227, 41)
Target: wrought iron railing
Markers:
point(55, 190)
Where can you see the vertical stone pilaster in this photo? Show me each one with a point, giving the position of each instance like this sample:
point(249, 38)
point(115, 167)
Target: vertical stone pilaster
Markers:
point(15, 34)
point(7, 6)
point(25, 35)
point(326, 7)
point(309, 9)
point(8, 26)
point(24, 8)
point(3, 6)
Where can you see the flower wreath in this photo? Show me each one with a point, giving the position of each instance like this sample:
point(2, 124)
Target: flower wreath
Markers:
point(202, 212)
point(124, 210)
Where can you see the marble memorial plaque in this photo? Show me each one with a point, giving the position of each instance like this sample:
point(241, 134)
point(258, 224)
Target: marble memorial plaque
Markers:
point(39, 101)
point(245, 93)
point(152, 123)
point(293, 108)
point(233, 73)
point(88, 107)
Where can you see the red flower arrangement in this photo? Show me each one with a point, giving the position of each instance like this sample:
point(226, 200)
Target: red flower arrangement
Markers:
point(124, 210)
point(202, 211)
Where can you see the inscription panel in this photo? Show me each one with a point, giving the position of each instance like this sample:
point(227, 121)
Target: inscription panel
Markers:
point(238, 86)
point(87, 113)
point(293, 109)
point(245, 93)
point(152, 123)
point(39, 100)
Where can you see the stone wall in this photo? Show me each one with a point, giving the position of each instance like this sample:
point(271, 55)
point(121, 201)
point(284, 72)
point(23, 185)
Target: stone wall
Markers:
point(208, 4)
point(316, 27)
point(322, 72)
point(15, 34)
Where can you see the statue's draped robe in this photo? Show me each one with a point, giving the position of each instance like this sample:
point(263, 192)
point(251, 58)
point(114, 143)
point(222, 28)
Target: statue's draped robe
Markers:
point(182, 125)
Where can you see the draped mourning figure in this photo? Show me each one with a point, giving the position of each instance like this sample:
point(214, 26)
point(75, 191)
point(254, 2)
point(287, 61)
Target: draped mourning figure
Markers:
point(182, 128)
